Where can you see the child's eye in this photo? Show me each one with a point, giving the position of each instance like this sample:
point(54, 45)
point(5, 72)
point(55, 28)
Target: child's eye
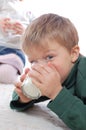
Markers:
point(49, 57)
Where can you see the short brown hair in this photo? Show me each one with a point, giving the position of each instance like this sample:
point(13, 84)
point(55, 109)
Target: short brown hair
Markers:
point(52, 27)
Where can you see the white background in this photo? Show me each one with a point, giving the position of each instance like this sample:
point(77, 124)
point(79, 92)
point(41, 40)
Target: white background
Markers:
point(75, 10)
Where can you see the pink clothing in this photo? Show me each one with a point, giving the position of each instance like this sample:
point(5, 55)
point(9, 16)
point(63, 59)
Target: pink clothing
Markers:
point(13, 60)
point(8, 74)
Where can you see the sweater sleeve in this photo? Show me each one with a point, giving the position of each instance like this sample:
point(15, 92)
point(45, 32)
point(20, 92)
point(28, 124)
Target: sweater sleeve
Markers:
point(70, 109)
point(15, 104)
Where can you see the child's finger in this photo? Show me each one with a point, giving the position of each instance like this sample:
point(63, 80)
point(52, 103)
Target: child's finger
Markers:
point(23, 77)
point(18, 84)
point(27, 70)
point(25, 74)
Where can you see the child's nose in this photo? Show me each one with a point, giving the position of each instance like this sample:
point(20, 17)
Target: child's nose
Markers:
point(39, 61)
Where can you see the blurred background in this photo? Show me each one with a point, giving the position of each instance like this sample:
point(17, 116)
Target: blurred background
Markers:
point(73, 9)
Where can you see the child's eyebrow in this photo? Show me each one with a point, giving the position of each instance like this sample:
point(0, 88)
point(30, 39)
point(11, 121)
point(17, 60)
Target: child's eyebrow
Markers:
point(50, 51)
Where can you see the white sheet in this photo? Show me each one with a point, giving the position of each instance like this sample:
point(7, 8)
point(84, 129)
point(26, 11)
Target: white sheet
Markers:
point(37, 118)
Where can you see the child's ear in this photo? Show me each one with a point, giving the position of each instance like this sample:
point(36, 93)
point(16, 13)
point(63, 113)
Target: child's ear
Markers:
point(75, 53)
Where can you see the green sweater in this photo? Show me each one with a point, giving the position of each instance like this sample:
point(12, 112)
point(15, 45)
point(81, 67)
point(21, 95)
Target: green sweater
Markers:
point(70, 103)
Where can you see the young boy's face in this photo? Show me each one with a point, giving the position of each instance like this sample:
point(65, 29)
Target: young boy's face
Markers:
point(56, 54)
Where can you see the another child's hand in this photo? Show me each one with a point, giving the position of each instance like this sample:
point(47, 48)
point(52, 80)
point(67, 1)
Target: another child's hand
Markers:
point(7, 24)
point(18, 28)
point(47, 79)
point(18, 85)
point(4, 24)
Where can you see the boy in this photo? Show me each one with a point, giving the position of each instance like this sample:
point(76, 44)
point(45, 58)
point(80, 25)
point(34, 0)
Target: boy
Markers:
point(57, 69)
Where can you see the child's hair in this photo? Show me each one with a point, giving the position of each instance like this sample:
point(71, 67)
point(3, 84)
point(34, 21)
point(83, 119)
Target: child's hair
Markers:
point(50, 27)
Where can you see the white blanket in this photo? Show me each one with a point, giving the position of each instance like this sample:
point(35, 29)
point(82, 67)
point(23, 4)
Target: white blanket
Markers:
point(37, 118)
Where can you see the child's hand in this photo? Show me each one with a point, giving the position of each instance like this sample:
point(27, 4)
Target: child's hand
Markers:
point(18, 85)
point(47, 79)
point(7, 24)
point(4, 24)
point(18, 28)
